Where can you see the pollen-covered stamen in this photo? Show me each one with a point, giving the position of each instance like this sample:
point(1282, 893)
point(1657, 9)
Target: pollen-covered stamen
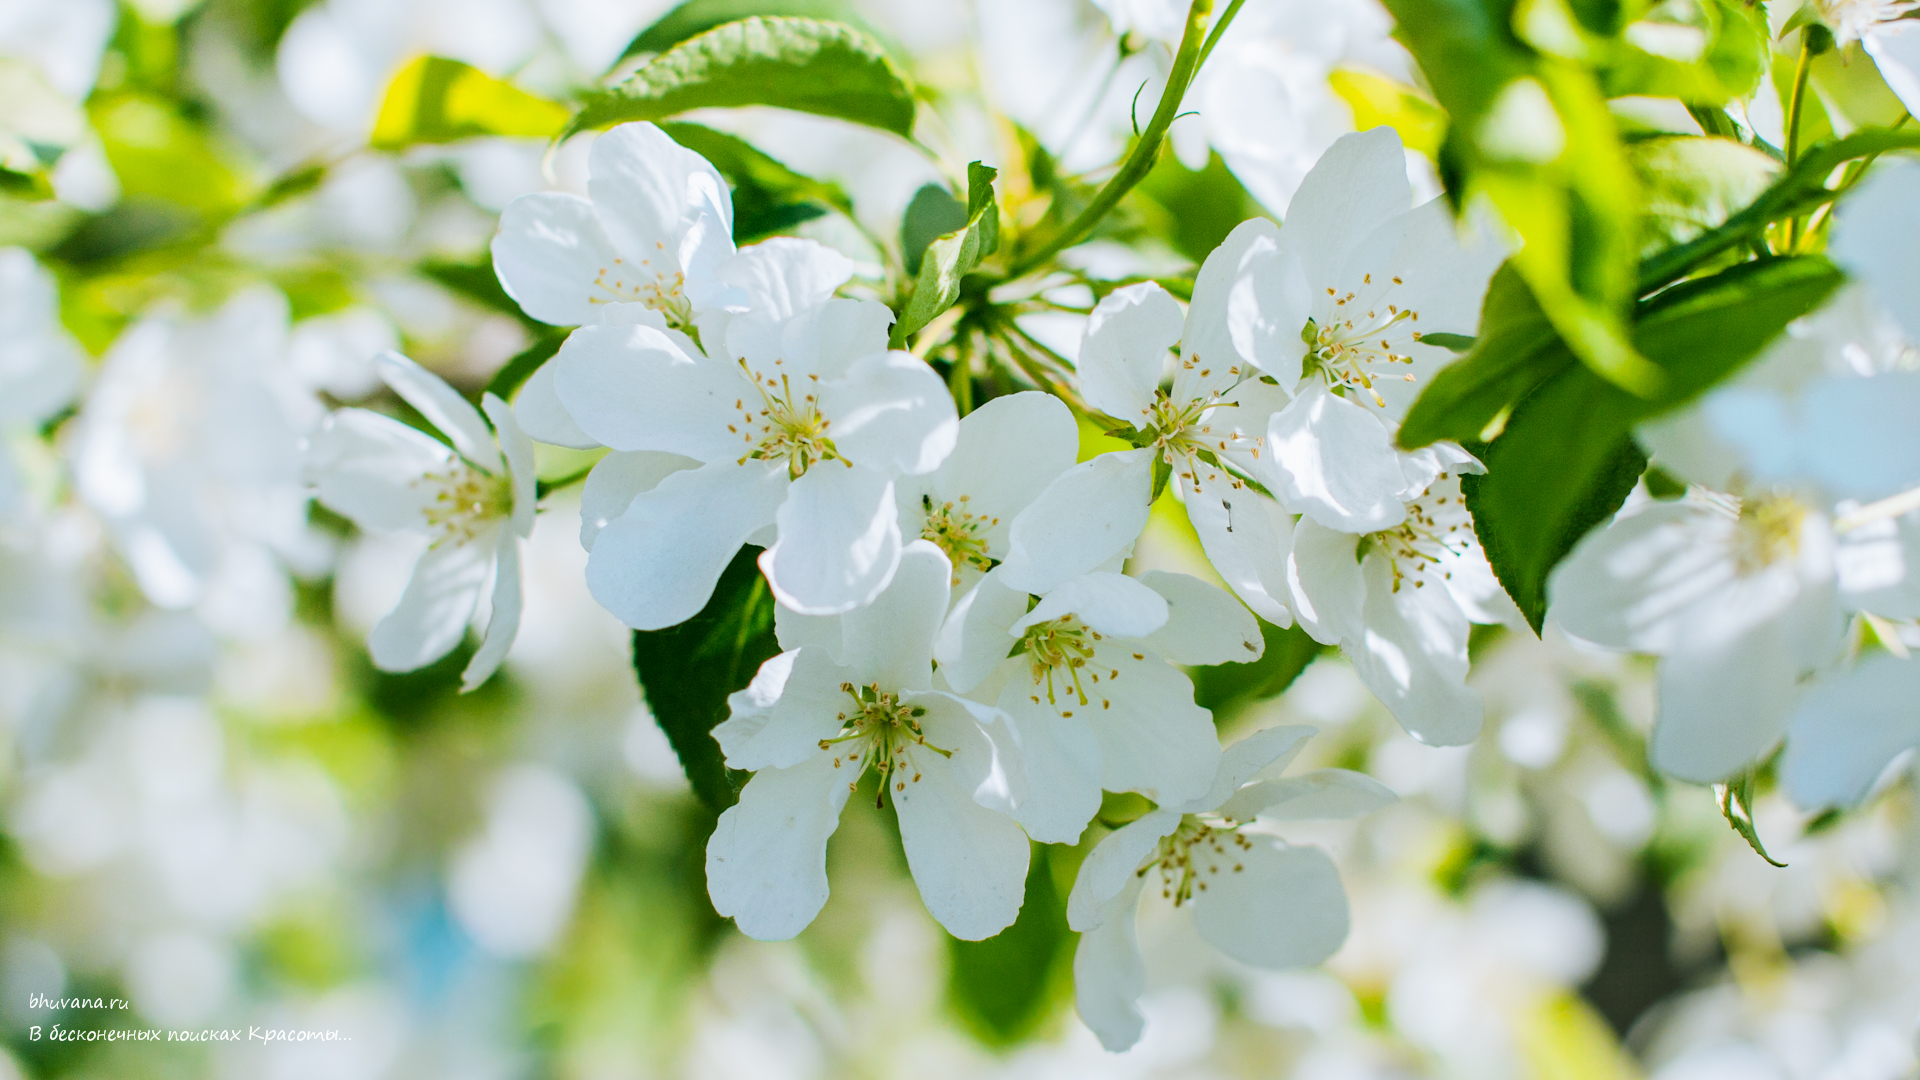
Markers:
point(662, 290)
point(879, 731)
point(463, 499)
point(787, 424)
point(1184, 431)
point(1064, 647)
point(1769, 531)
point(1356, 344)
point(959, 532)
point(1194, 854)
point(1436, 529)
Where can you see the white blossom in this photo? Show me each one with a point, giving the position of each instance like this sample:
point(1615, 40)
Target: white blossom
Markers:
point(857, 695)
point(40, 364)
point(1254, 897)
point(473, 501)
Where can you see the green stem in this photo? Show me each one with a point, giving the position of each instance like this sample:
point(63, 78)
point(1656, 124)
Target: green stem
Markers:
point(1794, 107)
point(1186, 61)
point(1219, 28)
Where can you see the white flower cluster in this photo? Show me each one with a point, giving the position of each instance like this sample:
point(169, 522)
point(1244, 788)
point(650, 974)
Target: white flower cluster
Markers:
point(953, 605)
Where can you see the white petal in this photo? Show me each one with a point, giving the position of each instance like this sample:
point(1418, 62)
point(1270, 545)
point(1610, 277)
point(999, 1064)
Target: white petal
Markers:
point(1111, 867)
point(1728, 686)
point(1876, 228)
point(1093, 512)
point(1895, 49)
point(1318, 795)
point(1109, 974)
point(1286, 908)
point(1008, 451)
point(794, 701)
point(1125, 350)
point(651, 195)
point(443, 407)
point(370, 467)
point(1112, 604)
point(1847, 729)
point(890, 641)
point(1328, 588)
point(1153, 738)
point(969, 862)
point(656, 565)
point(609, 489)
point(974, 640)
point(1206, 338)
point(1413, 656)
point(554, 259)
point(1204, 625)
point(1062, 761)
point(767, 858)
point(1359, 183)
point(1267, 748)
point(784, 276)
point(518, 451)
point(822, 340)
point(542, 416)
point(1267, 308)
point(1335, 462)
point(1246, 536)
point(1877, 567)
point(632, 388)
point(434, 611)
point(504, 622)
point(891, 413)
point(988, 761)
point(839, 540)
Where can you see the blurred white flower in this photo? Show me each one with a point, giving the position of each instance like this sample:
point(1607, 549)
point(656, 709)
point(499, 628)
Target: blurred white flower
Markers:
point(474, 501)
point(853, 697)
point(1254, 897)
point(64, 40)
point(40, 363)
point(513, 886)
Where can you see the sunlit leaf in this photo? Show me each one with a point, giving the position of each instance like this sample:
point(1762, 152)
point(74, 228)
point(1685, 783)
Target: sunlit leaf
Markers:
point(825, 68)
point(768, 197)
point(953, 256)
point(1003, 987)
point(436, 100)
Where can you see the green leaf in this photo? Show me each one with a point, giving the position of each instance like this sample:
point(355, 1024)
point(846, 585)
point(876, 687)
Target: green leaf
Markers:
point(699, 16)
point(953, 257)
point(768, 197)
point(825, 68)
point(930, 214)
point(1736, 805)
point(1566, 459)
point(1003, 987)
point(1695, 184)
point(687, 671)
point(478, 282)
point(436, 100)
point(1516, 348)
point(1729, 65)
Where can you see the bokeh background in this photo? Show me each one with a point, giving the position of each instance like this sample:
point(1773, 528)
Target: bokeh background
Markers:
point(212, 807)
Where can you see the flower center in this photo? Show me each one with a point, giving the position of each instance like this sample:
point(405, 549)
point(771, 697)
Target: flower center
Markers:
point(1193, 854)
point(786, 425)
point(959, 532)
point(660, 290)
point(1769, 531)
point(1436, 528)
point(1185, 437)
point(464, 498)
point(876, 733)
point(1358, 335)
point(1063, 647)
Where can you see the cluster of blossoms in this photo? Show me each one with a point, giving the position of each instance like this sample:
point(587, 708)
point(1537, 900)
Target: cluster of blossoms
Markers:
point(953, 602)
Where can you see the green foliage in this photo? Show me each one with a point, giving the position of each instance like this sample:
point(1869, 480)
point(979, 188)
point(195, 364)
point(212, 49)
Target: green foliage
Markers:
point(436, 100)
point(1695, 184)
point(1517, 347)
point(515, 372)
point(696, 17)
point(687, 671)
point(952, 257)
point(1194, 209)
point(1566, 458)
point(930, 214)
point(768, 197)
point(1004, 987)
point(1736, 805)
point(825, 68)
